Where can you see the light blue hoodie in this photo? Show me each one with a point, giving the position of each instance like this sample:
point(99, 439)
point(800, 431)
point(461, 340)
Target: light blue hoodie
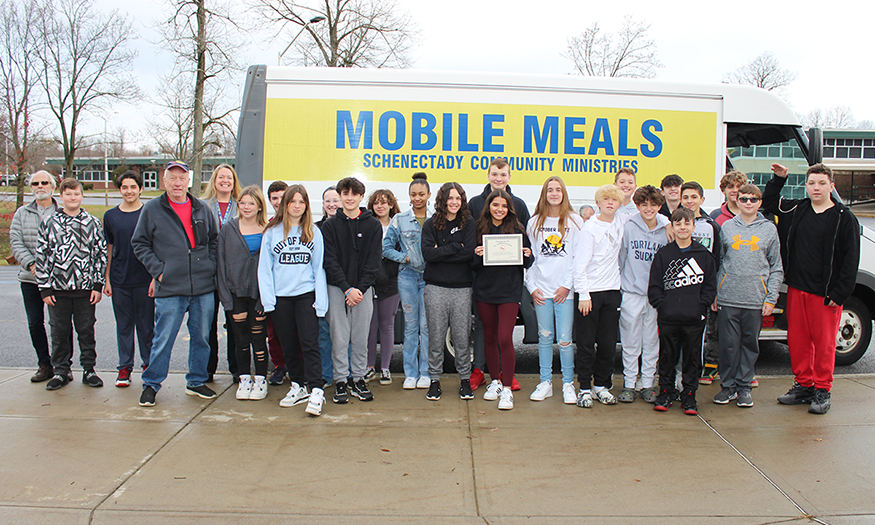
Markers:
point(640, 244)
point(287, 268)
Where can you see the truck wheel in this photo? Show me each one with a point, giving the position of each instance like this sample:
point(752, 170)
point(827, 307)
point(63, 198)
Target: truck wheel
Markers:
point(855, 332)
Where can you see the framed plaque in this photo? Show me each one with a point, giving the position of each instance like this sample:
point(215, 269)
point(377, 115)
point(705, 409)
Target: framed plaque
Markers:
point(503, 249)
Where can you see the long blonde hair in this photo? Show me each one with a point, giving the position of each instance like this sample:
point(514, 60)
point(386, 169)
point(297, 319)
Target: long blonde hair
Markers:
point(211, 194)
point(542, 208)
point(256, 194)
point(282, 213)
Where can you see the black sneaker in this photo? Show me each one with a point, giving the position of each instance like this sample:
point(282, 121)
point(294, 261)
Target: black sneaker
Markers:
point(340, 395)
point(465, 391)
point(278, 376)
point(797, 395)
point(57, 381)
point(820, 404)
point(202, 391)
point(89, 377)
point(360, 390)
point(688, 401)
point(69, 376)
point(664, 400)
point(434, 390)
point(147, 398)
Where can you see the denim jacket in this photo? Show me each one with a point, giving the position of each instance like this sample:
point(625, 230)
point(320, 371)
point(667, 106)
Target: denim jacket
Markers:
point(405, 230)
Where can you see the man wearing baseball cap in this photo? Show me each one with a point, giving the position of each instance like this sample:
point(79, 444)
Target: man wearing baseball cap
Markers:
point(177, 239)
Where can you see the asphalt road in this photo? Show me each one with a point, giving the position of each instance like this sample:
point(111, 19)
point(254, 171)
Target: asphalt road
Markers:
point(18, 352)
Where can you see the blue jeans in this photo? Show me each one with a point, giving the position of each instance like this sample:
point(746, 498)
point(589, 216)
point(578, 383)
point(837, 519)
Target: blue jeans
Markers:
point(169, 312)
point(411, 286)
point(563, 314)
point(325, 350)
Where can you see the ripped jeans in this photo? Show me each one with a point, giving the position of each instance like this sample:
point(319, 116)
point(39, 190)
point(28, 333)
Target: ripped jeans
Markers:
point(563, 315)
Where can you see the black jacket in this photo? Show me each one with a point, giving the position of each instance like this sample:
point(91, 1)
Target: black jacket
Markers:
point(500, 284)
point(353, 248)
point(161, 244)
point(476, 204)
point(683, 285)
point(448, 253)
point(237, 272)
point(839, 263)
point(386, 283)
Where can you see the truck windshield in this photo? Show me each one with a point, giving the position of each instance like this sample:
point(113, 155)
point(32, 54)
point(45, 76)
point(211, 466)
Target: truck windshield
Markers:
point(756, 159)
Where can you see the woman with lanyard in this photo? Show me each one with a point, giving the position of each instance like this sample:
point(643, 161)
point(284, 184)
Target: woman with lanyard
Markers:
point(221, 195)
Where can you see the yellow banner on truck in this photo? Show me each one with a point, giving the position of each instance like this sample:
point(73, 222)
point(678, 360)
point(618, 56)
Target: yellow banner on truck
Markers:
point(388, 140)
point(318, 125)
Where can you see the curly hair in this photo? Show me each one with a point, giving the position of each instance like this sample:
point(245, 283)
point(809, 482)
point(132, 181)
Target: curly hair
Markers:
point(440, 206)
point(384, 195)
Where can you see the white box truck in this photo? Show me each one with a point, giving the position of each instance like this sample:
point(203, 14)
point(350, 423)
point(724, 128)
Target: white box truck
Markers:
point(317, 125)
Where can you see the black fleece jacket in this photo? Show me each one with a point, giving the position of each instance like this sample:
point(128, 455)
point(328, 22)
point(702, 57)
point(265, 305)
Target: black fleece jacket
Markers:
point(477, 202)
point(682, 284)
point(448, 253)
point(500, 284)
point(353, 247)
point(839, 262)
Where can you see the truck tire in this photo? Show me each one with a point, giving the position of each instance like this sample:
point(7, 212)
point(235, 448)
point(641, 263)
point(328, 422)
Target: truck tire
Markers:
point(855, 332)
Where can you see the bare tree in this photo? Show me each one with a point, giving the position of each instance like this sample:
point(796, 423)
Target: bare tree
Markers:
point(763, 72)
point(355, 33)
point(205, 41)
point(85, 64)
point(832, 118)
point(19, 78)
point(172, 129)
point(629, 53)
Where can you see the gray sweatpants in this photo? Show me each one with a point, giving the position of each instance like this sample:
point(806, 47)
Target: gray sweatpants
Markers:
point(448, 307)
point(349, 324)
point(739, 348)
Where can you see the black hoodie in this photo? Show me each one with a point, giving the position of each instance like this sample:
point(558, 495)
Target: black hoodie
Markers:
point(477, 203)
point(683, 285)
point(352, 250)
point(500, 284)
point(448, 253)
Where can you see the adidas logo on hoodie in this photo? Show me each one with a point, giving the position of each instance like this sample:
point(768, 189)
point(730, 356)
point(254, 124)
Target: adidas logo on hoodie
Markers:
point(683, 272)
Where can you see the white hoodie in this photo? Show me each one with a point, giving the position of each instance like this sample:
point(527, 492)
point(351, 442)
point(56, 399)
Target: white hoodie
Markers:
point(552, 268)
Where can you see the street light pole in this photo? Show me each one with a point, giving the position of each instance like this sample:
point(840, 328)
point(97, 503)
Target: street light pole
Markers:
point(105, 166)
point(314, 20)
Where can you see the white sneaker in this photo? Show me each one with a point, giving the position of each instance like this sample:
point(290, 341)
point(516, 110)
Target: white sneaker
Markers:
point(314, 405)
point(569, 394)
point(542, 391)
point(259, 388)
point(604, 396)
point(409, 383)
point(297, 395)
point(505, 401)
point(492, 390)
point(244, 387)
point(423, 382)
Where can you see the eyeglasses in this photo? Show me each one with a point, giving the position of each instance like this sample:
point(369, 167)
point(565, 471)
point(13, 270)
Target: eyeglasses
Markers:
point(40, 183)
point(745, 200)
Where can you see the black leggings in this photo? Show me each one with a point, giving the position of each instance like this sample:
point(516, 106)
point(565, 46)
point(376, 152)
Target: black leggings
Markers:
point(248, 325)
point(297, 328)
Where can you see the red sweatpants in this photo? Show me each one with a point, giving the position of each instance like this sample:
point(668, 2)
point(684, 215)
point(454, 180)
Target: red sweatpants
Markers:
point(812, 328)
point(498, 322)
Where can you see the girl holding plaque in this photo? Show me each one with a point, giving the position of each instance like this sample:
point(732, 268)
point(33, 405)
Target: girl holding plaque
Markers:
point(502, 253)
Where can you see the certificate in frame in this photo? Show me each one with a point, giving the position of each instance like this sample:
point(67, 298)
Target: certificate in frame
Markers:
point(503, 249)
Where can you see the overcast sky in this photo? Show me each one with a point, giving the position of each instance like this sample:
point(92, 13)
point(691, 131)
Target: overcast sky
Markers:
point(828, 44)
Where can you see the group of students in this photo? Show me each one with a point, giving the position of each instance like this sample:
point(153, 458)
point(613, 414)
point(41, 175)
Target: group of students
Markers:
point(650, 268)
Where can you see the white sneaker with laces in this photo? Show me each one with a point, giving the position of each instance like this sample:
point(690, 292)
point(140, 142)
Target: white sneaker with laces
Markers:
point(542, 391)
point(409, 383)
point(297, 395)
point(259, 388)
point(569, 394)
point(423, 382)
point(505, 400)
point(492, 390)
point(244, 387)
point(314, 405)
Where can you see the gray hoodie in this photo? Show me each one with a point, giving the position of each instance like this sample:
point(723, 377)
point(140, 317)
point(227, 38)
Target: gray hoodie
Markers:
point(751, 272)
point(640, 244)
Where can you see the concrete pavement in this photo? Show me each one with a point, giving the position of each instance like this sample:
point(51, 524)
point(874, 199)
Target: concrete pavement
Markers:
point(82, 455)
